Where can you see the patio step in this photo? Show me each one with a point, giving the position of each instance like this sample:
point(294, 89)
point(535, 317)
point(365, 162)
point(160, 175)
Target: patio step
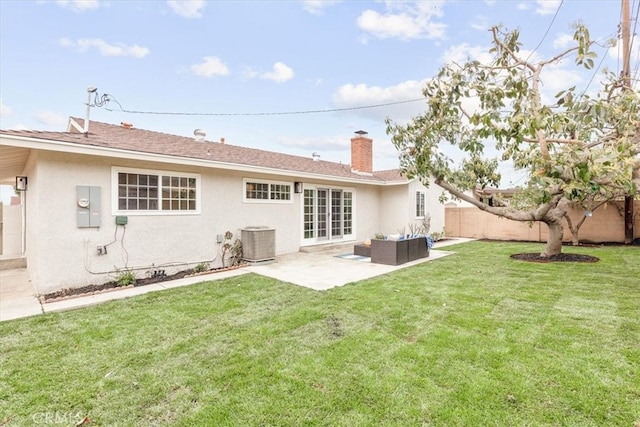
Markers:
point(347, 246)
point(12, 262)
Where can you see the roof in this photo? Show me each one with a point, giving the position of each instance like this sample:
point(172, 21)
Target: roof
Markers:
point(128, 139)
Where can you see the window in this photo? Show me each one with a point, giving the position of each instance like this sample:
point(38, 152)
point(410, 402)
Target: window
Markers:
point(420, 204)
point(258, 191)
point(309, 213)
point(348, 212)
point(142, 191)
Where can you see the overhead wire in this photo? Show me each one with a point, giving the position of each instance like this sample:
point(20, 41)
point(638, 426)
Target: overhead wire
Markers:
point(268, 113)
point(546, 33)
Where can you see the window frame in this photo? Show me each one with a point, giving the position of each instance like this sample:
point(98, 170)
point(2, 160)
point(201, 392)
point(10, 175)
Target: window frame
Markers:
point(420, 204)
point(271, 184)
point(117, 170)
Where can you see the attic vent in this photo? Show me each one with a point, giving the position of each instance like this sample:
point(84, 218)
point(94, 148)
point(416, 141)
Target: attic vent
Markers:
point(199, 134)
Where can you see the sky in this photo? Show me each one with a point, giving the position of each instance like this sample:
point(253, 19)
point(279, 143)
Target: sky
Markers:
point(295, 77)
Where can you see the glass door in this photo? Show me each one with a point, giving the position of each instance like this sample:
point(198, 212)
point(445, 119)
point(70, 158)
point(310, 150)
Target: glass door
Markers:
point(328, 214)
point(336, 214)
point(322, 204)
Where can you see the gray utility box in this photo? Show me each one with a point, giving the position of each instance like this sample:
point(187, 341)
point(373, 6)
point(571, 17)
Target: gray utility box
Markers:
point(258, 243)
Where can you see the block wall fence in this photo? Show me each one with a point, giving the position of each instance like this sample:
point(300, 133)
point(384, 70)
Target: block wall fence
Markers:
point(605, 225)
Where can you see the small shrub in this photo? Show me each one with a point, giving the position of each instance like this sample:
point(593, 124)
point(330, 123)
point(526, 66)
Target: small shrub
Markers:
point(439, 235)
point(126, 278)
point(201, 267)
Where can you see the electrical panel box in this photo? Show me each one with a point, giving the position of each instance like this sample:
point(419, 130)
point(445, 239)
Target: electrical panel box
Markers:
point(88, 206)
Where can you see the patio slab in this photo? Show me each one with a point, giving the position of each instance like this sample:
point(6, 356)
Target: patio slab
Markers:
point(316, 270)
point(326, 269)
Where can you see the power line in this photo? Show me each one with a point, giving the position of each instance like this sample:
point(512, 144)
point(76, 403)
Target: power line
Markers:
point(281, 113)
point(546, 33)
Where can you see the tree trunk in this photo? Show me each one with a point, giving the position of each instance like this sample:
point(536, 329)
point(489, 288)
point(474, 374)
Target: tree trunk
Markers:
point(554, 240)
point(574, 230)
point(628, 220)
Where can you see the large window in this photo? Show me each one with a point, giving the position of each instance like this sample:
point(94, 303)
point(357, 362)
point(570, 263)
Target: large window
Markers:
point(144, 191)
point(420, 204)
point(266, 191)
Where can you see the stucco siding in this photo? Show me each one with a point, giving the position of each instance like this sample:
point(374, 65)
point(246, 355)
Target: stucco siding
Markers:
point(66, 256)
point(398, 208)
point(393, 203)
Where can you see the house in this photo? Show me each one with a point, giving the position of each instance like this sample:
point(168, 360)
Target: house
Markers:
point(109, 198)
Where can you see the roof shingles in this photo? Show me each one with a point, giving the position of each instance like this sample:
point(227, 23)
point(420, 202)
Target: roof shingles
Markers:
point(145, 141)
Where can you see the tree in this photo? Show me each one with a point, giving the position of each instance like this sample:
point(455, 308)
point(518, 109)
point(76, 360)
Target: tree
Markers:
point(573, 147)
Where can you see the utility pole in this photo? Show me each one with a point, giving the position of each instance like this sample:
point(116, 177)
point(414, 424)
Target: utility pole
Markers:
point(626, 81)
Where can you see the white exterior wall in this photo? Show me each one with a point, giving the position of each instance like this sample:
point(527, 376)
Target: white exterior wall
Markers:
point(398, 207)
point(58, 250)
point(61, 255)
point(11, 230)
point(433, 207)
point(393, 203)
point(367, 212)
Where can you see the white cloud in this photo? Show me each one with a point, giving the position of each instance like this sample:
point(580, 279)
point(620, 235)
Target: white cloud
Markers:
point(562, 41)
point(210, 67)
point(405, 21)
point(547, 7)
point(358, 95)
point(317, 7)
point(79, 5)
point(50, 118)
point(106, 49)
point(323, 144)
point(4, 110)
point(280, 74)
point(557, 78)
point(480, 22)
point(190, 9)
point(522, 6)
point(461, 53)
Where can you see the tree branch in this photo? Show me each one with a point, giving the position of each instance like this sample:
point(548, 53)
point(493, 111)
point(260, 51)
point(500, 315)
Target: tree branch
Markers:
point(538, 214)
point(557, 140)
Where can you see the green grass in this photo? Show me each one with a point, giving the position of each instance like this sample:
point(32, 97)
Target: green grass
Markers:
point(473, 339)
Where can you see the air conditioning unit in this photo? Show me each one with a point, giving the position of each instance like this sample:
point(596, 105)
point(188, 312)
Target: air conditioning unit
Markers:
point(258, 243)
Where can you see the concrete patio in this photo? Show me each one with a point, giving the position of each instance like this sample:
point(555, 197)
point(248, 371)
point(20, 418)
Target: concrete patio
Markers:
point(319, 270)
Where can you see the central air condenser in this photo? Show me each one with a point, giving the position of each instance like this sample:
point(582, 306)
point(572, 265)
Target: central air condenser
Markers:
point(258, 243)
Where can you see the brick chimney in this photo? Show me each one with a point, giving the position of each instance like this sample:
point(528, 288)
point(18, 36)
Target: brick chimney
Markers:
point(362, 153)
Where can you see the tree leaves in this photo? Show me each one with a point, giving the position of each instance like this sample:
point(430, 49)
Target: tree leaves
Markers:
point(578, 147)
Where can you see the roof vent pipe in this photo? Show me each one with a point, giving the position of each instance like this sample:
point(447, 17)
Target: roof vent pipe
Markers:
point(316, 156)
point(90, 90)
point(199, 134)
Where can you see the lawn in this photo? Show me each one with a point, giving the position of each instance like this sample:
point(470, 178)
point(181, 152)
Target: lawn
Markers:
point(472, 339)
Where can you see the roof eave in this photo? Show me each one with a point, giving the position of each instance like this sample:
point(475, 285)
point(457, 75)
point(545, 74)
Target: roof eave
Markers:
point(94, 150)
